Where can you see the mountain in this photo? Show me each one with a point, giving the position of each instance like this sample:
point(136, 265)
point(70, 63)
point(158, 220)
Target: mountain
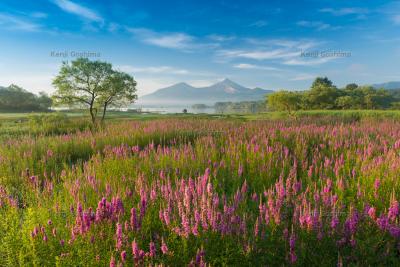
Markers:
point(388, 85)
point(183, 93)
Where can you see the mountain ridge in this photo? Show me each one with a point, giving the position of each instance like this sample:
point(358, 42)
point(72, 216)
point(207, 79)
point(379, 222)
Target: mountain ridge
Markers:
point(387, 85)
point(223, 91)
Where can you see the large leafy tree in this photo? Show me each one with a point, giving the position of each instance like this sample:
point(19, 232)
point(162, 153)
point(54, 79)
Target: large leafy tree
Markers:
point(94, 85)
point(322, 94)
point(119, 89)
point(284, 101)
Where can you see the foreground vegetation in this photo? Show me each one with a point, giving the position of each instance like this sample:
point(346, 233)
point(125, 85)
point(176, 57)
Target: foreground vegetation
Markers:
point(320, 189)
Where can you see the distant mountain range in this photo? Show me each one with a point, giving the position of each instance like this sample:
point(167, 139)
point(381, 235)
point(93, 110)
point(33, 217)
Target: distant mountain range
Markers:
point(388, 85)
point(183, 93)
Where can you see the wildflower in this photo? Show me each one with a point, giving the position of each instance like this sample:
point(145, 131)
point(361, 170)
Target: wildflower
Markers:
point(371, 213)
point(393, 210)
point(164, 248)
point(240, 170)
point(382, 222)
point(152, 249)
point(119, 236)
point(123, 256)
point(292, 243)
point(334, 222)
point(112, 262)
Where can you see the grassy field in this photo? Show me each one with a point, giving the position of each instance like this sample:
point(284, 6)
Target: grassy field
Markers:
point(315, 189)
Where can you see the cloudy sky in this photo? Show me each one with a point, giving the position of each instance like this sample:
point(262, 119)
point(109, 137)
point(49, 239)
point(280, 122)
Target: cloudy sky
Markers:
point(267, 44)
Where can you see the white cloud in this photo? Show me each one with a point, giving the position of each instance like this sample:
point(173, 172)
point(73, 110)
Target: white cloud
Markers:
point(174, 40)
point(254, 67)
point(153, 70)
point(12, 22)
point(284, 43)
point(318, 25)
point(307, 62)
point(258, 54)
point(113, 27)
point(345, 11)
point(166, 40)
point(303, 77)
point(277, 51)
point(79, 10)
point(221, 38)
point(259, 23)
point(33, 82)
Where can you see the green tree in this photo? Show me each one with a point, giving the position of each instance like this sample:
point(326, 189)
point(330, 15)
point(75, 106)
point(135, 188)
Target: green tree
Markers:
point(284, 101)
point(345, 102)
point(351, 87)
point(15, 98)
point(119, 89)
point(322, 94)
point(92, 84)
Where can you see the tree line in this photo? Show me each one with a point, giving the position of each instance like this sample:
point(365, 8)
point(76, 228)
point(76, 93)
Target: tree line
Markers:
point(323, 94)
point(16, 99)
point(240, 107)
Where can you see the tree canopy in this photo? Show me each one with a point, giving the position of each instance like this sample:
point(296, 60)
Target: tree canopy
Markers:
point(94, 85)
point(17, 99)
point(323, 94)
point(284, 100)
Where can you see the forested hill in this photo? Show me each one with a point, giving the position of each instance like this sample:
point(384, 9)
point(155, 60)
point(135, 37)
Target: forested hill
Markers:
point(17, 99)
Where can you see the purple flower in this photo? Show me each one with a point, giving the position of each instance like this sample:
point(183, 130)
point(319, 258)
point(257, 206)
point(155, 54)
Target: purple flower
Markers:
point(152, 249)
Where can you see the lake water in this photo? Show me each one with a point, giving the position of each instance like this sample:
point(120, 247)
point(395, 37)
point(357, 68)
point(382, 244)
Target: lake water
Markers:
point(172, 109)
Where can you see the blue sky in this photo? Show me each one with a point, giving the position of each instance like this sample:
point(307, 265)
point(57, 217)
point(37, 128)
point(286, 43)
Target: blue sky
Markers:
point(256, 43)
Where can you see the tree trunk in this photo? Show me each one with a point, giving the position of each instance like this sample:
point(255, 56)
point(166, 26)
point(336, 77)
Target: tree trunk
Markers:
point(92, 115)
point(104, 112)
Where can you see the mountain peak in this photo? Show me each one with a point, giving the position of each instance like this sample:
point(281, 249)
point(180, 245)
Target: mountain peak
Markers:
point(227, 81)
point(223, 91)
point(182, 84)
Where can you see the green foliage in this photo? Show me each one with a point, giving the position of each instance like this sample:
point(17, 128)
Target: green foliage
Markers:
point(16, 99)
point(94, 85)
point(243, 107)
point(56, 124)
point(284, 100)
point(324, 95)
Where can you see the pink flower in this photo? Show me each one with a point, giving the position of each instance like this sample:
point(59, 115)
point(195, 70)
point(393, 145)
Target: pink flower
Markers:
point(112, 262)
point(372, 213)
point(119, 236)
point(164, 248)
point(123, 256)
point(152, 249)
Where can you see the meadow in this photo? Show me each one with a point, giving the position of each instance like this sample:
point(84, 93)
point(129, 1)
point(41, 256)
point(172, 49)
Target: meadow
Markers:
point(320, 189)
